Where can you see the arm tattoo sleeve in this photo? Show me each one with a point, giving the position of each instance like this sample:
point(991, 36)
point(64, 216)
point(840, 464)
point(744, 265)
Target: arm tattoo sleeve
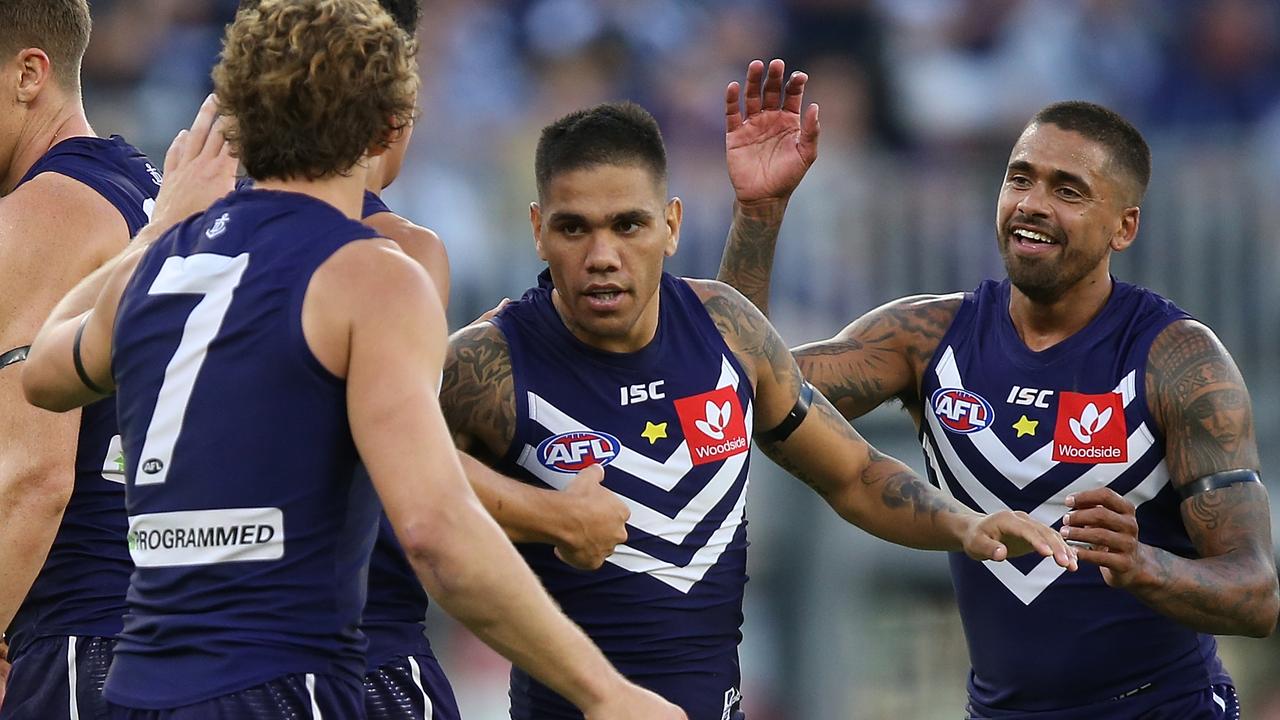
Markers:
point(880, 356)
point(1198, 395)
point(477, 394)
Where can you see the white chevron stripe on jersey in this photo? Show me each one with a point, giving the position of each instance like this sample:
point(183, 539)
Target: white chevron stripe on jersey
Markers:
point(1019, 472)
point(1049, 511)
point(728, 376)
point(665, 475)
point(1027, 587)
point(660, 474)
point(684, 578)
point(673, 530)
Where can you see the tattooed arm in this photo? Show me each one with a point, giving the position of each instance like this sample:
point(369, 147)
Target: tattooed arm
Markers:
point(584, 521)
point(1199, 398)
point(768, 150)
point(871, 490)
point(881, 355)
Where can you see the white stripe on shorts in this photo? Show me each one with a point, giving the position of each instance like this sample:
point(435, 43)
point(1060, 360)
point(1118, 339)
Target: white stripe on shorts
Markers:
point(311, 692)
point(416, 672)
point(1219, 701)
point(73, 706)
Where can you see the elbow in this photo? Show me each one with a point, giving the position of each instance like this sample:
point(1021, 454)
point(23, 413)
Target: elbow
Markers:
point(39, 490)
point(419, 538)
point(1269, 611)
point(1258, 618)
point(437, 559)
point(38, 389)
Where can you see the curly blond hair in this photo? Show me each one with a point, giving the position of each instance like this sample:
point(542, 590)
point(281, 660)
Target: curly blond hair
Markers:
point(312, 85)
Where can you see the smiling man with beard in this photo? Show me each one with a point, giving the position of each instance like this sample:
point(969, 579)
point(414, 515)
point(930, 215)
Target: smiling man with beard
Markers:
point(1089, 403)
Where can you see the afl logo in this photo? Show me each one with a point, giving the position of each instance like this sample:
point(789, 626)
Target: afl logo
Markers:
point(961, 411)
point(572, 451)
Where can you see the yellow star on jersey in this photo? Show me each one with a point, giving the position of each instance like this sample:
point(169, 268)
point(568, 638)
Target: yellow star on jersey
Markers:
point(654, 431)
point(1025, 426)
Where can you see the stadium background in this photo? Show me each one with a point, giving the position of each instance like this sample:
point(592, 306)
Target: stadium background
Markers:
point(921, 101)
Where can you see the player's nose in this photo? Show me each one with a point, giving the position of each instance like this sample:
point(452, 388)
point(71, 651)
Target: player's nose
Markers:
point(602, 253)
point(1034, 202)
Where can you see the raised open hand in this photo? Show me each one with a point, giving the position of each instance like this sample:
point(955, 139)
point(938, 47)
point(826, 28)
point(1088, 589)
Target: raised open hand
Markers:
point(198, 168)
point(770, 148)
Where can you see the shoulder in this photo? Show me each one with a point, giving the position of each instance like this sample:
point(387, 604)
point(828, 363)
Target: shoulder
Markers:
point(479, 342)
point(723, 302)
point(372, 274)
point(477, 392)
point(416, 241)
point(912, 325)
point(52, 205)
point(930, 308)
point(1200, 402)
point(1181, 342)
point(1190, 374)
point(1185, 360)
point(916, 321)
point(419, 243)
point(744, 328)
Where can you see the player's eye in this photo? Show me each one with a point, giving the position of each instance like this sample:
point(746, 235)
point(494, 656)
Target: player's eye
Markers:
point(628, 227)
point(1019, 181)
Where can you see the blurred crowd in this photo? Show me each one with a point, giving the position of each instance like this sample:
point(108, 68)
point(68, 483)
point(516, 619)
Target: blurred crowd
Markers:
point(921, 101)
point(932, 82)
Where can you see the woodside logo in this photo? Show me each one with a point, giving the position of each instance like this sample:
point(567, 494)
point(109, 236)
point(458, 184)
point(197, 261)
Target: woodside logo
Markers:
point(1090, 429)
point(713, 425)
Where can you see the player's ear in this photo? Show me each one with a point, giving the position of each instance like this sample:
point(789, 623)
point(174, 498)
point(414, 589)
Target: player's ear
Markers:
point(34, 72)
point(535, 219)
point(674, 214)
point(1124, 235)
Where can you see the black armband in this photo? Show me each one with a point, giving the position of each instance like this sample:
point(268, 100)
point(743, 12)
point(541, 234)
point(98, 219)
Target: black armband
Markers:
point(15, 355)
point(1218, 481)
point(75, 356)
point(783, 430)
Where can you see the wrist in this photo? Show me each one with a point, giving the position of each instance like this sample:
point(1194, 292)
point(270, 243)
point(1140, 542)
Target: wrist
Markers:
point(768, 210)
point(959, 528)
point(601, 688)
point(1149, 573)
point(556, 527)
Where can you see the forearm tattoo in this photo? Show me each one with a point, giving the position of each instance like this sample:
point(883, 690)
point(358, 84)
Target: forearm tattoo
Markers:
point(747, 263)
point(898, 487)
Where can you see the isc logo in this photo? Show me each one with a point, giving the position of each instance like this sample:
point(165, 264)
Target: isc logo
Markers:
point(961, 411)
point(572, 451)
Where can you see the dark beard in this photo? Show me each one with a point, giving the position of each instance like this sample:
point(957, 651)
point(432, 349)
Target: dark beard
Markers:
point(1042, 285)
point(1045, 282)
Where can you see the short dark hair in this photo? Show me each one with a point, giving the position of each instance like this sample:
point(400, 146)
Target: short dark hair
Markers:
point(406, 13)
point(59, 27)
point(312, 85)
point(619, 133)
point(1106, 127)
